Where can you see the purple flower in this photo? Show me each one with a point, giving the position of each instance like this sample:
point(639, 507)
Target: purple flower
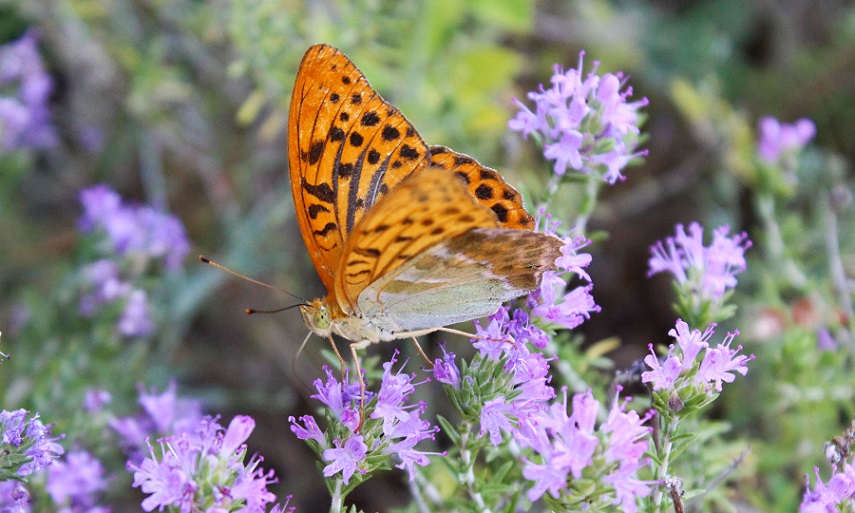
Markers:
point(338, 396)
point(721, 362)
point(25, 89)
point(76, 480)
point(681, 368)
point(628, 487)
point(162, 414)
point(779, 142)
point(628, 436)
point(662, 374)
point(445, 371)
point(585, 124)
point(572, 308)
point(204, 470)
point(138, 232)
point(309, 430)
point(29, 439)
point(394, 390)
point(565, 445)
point(95, 399)
point(345, 458)
point(393, 427)
point(825, 498)
point(707, 271)
point(14, 497)
point(494, 419)
point(136, 318)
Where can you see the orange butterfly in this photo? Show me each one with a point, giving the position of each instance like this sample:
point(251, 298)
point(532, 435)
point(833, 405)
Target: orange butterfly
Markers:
point(407, 238)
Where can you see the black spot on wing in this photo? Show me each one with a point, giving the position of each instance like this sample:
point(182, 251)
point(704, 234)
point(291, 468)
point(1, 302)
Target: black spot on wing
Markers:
point(501, 212)
point(321, 191)
point(315, 151)
point(370, 118)
point(326, 229)
point(316, 209)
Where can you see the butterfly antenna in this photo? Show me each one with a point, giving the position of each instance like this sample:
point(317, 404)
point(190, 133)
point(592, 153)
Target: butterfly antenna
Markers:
point(208, 261)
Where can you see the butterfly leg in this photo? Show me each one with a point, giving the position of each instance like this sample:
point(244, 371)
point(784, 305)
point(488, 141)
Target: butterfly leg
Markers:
point(421, 352)
point(353, 348)
point(338, 355)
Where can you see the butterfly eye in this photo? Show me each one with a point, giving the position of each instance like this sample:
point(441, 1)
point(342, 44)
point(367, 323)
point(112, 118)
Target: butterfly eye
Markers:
point(321, 319)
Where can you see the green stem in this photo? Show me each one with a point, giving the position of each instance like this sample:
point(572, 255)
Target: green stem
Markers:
point(775, 244)
point(589, 201)
point(337, 498)
point(665, 459)
point(467, 476)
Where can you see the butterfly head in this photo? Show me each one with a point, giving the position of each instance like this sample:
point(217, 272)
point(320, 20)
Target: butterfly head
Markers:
point(317, 317)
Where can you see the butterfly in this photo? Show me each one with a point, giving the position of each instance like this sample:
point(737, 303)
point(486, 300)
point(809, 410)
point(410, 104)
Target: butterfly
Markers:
point(407, 238)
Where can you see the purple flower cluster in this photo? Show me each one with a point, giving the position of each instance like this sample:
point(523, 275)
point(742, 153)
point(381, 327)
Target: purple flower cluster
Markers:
point(204, 470)
point(104, 286)
point(161, 414)
point(706, 272)
point(526, 388)
point(139, 233)
point(586, 123)
point(392, 427)
point(571, 447)
point(827, 498)
point(681, 367)
point(75, 482)
point(779, 142)
point(27, 448)
point(25, 89)
point(29, 438)
point(549, 301)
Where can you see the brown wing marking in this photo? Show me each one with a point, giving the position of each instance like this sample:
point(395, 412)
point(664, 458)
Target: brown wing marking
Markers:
point(486, 185)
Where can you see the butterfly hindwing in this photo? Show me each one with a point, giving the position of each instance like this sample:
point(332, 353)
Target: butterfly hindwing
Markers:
point(347, 148)
point(428, 207)
point(465, 277)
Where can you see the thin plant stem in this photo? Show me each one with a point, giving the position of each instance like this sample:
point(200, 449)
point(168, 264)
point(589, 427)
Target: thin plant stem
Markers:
point(468, 475)
point(665, 459)
point(337, 498)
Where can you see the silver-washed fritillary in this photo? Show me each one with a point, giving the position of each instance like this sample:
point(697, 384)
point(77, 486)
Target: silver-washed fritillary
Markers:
point(407, 238)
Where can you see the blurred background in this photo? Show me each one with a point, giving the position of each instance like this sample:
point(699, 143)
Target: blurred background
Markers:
point(183, 105)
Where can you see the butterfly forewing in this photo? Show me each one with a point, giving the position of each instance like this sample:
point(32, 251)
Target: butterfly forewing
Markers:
point(486, 185)
point(425, 209)
point(347, 148)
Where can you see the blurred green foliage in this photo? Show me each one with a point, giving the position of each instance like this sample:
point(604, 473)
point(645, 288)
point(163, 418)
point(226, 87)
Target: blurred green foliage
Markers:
point(183, 104)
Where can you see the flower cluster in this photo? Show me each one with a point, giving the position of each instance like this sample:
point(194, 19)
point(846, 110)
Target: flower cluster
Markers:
point(572, 454)
point(522, 388)
point(692, 372)
point(828, 498)
point(549, 301)
point(391, 427)
point(139, 234)
point(204, 470)
point(704, 274)
point(780, 142)
point(27, 444)
point(586, 123)
point(25, 89)
point(75, 482)
point(27, 448)
point(160, 415)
